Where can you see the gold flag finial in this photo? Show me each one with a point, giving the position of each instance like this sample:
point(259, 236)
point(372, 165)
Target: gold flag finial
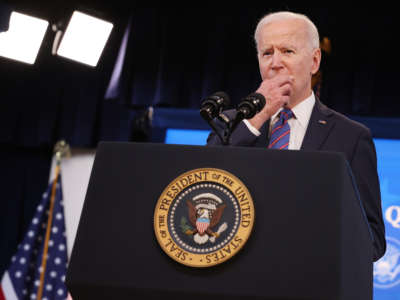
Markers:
point(61, 149)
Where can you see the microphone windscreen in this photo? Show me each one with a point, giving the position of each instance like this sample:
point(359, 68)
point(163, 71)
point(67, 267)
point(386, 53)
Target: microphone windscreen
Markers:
point(224, 96)
point(258, 99)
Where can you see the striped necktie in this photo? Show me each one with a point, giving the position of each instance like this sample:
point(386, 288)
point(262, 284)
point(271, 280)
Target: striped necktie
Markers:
point(281, 131)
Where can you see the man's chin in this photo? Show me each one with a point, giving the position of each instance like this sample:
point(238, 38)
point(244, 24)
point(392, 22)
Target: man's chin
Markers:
point(288, 101)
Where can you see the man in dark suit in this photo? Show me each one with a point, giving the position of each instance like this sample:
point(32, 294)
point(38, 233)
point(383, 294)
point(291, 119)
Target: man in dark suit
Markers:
point(288, 55)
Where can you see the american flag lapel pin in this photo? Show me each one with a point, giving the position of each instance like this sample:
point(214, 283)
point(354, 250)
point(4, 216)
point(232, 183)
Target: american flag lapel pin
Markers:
point(323, 122)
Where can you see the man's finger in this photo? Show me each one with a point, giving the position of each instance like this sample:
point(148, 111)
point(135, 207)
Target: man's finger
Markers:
point(285, 80)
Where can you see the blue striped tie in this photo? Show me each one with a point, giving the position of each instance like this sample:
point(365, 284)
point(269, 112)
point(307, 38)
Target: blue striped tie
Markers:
point(280, 132)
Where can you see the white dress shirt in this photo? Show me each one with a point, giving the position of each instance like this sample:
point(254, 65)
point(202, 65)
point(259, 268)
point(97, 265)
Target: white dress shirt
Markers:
point(298, 124)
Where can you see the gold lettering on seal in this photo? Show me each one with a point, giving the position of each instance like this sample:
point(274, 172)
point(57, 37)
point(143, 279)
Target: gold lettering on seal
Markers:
point(169, 210)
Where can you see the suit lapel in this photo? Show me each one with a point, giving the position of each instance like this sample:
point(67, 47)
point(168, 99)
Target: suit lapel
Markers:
point(319, 127)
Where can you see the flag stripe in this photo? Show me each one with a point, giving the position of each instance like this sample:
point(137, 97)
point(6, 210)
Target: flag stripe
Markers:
point(2, 294)
point(7, 287)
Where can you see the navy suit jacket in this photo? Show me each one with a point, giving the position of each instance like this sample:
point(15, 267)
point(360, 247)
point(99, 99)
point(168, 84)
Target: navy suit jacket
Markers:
point(329, 130)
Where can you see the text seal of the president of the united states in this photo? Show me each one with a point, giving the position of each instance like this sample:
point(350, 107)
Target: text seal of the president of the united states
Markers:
point(204, 217)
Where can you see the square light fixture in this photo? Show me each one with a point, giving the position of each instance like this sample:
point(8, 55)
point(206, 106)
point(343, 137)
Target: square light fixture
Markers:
point(23, 39)
point(84, 38)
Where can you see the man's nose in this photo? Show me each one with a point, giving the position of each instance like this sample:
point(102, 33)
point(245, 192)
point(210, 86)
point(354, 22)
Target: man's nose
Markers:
point(276, 61)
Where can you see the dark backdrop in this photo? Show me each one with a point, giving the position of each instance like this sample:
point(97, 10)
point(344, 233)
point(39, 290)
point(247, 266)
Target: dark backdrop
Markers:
point(175, 56)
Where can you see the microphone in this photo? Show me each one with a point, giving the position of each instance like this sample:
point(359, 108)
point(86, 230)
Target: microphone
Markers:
point(247, 109)
point(212, 106)
point(250, 105)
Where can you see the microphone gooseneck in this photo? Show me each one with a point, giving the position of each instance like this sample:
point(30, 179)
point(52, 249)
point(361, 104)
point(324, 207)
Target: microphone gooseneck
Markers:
point(212, 107)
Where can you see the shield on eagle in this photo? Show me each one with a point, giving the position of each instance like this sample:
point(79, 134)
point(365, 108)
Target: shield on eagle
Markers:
point(202, 224)
point(205, 212)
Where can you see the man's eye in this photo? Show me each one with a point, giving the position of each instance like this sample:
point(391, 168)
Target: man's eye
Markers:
point(288, 51)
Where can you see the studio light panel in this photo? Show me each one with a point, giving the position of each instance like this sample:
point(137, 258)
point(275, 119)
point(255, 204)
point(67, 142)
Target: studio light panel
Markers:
point(84, 38)
point(23, 39)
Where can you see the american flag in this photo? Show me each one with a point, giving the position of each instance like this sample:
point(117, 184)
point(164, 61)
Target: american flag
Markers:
point(22, 279)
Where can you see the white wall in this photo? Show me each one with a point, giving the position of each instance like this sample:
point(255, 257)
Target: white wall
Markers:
point(75, 172)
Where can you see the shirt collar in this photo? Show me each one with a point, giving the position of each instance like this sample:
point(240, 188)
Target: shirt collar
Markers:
point(302, 111)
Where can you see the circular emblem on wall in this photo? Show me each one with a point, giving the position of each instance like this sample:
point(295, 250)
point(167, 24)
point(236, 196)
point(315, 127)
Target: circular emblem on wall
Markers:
point(204, 217)
point(387, 269)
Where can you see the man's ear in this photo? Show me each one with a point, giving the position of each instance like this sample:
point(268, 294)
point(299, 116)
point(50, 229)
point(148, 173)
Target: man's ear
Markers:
point(316, 60)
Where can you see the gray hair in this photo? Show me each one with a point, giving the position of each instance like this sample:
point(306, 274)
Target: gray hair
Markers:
point(286, 15)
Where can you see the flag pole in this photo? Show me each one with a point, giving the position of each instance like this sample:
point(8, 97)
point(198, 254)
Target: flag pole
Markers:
point(61, 149)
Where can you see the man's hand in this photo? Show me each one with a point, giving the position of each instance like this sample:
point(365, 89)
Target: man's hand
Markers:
point(277, 91)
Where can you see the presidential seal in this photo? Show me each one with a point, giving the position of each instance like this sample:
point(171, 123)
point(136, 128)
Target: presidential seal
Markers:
point(387, 269)
point(204, 217)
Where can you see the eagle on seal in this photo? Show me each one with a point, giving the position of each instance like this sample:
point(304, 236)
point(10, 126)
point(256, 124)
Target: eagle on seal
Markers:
point(205, 212)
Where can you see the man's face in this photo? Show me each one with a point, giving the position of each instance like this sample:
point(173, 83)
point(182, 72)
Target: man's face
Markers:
point(284, 48)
